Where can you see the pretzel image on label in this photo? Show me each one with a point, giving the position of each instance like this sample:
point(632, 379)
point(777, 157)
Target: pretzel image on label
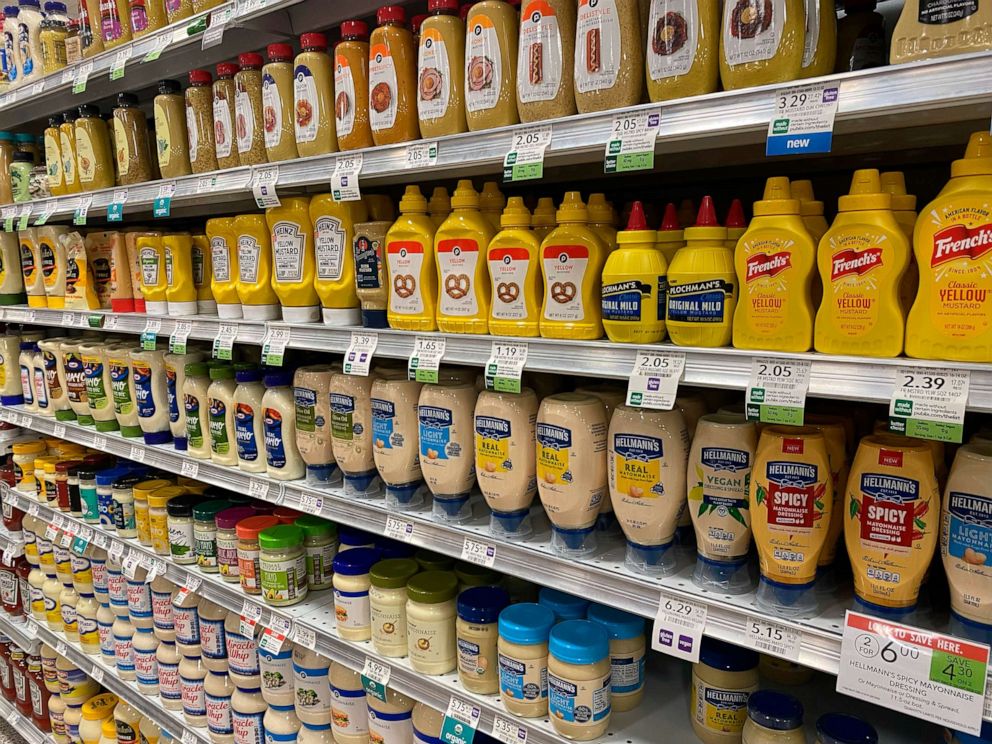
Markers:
point(457, 260)
point(562, 292)
point(564, 272)
point(405, 259)
point(404, 285)
point(456, 286)
point(508, 268)
point(507, 292)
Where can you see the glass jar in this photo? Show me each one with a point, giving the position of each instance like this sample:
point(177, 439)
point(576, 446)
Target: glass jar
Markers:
point(841, 728)
point(224, 116)
point(320, 542)
point(205, 533)
point(250, 129)
point(122, 493)
point(579, 673)
point(351, 592)
point(387, 604)
point(131, 144)
point(145, 646)
point(283, 565)
point(172, 140)
point(93, 151)
point(774, 716)
point(167, 656)
point(430, 619)
point(227, 540)
point(726, 673)
point(477, 636)
point(180, 526)
point(158, 518)
point(141, 520)
point(248, 551)
point(200, 121)
point(310, 683)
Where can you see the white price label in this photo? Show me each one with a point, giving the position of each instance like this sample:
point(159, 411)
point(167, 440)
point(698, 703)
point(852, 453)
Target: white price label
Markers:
point(426, 359)
point(803, 120)
point(219, 19)
point(59, 431)
point(311, 504)
point(110, 322)
point(38, 88)
point(66, 538)
point(101, 540)
point(97, 674)
point(251, 613)
point(83, 205)
point(274, 345)
point(137, 453)
point(271, 641)
point(167, 190)
point(61, 649)
point(654, 382)
point(158, 568)
point(678, 627)
point(479, 553)
point(258, 488)
point(50, 207)
point(34, 510)
point(189, 469)
point(116, 551)
point(130, 563)
point(632, 141)
point(421, 154)
point(376, 671)
point(263, 186)
point(24, 217)
point(358, 357)
point(120, 62)
point(930, 402)
point(180, 334)
point(206, 184)
point(68, 75)
point(82, 75)
point(99, 442)
point(13, 717)
point(507, 731)
point(68, 319)
point(159, 45)
point(459, 716)
point(505, 366)
point(525, 159)
point(772, 638)
point(193, 583)
point(304, 636)
point(188, 737)
point(344, 180)
point(51, 531)
point(26, 420)
point(399, 529)
point(776, 392)
point(224, 341)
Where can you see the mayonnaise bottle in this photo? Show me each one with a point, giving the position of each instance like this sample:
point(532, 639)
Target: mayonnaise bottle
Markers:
point(444, 413)
point(220, 395)
point(55, 384)
point(25, 362)
point(11, 278)
point(395, 439)
point(223, 241)
point(175, 378)
point(282, 458)
point(11, 393)
point(75, 381)
point(351, 433)
point(312, 392)
point(151, 395)
point(249, 431)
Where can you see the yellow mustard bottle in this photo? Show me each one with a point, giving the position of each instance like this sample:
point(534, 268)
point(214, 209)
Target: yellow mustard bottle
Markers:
point(572, 258)
point(180, 292)
point(820, 49)
point(515, 273)
point(380, 207)
point(736, 223)
point(441, 72)
point(333, 232)
point(670, 235)
point(278, 113)
point(492, 203)
point(702, 285)
point(258, 300)
point(810, 209)
point(223, 241)
point(542, 222)
point(683, 49)
point(151, 264)
point(411, 267)
point(463, 277)
point(202, 273)
point(904, 210)
point(439, 205)
point(862, 259)
point(53, 157)
point(775, 259)
point(491, 36)
point(67, 146)
point(293, 262)
point(601, 220)
point(761, 42)
point(634, 284)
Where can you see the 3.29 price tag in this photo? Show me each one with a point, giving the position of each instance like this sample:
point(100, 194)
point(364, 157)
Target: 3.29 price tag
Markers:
point(803, 120)
point(930, 402)
point(776, 393)
point(654, 382)
point(678, 627)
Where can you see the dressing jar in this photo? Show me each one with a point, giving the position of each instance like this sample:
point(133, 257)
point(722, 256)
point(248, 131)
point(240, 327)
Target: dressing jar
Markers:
point(320, 544)
point(282, 565)
point(627, 654)
point(227, 541)
point(351, 592)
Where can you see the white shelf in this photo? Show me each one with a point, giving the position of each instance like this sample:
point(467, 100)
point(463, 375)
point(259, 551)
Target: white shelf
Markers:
point(22, 633)
point(22, 724)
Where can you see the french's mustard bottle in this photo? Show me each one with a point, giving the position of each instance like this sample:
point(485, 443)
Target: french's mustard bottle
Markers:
point(411, 269)
point(515, 272)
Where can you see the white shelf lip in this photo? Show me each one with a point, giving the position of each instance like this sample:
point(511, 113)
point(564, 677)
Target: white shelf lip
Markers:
point(836, 377)
point(9, 712)
point(23, 633)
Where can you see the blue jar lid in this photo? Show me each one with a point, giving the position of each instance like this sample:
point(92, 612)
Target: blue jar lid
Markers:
point(351, 536)
point(841, 728)
point(526, 624)
point(775, 710)
point(565, 606)
point(727, 657)
point(10, 10)
point(107, 477)
point(394, 549)
point(249, 374)
point(619, 625)
point(984, 738)
point(482, 604)
point(579, 642)
point(356, 562)
point(277, 378)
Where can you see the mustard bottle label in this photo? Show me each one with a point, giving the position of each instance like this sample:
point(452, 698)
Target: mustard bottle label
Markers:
point(220, 258)
point(344, 96)
point(162, 142)
point(329, 245)
point(564, 271)
point(674, 35)
point(699, 302)
point(597, 45)
point(854, 292)
point(382, 88)
point(245, 119)
point(248, 251)
point(68, 158)
point(271, 111)
point(767, 285)
point(633, 300)
point(223, 132)
point(122, 147)
point(539, 57)
point(288, 243)
point(752, 31)
point(483, 65)
point(53, 160)
point(406, 258)
point(433, 87)
point(148, 259)
point(457, 260)
point(508, 269)
point(192, 132)
point(307, 104)
point(85, 156)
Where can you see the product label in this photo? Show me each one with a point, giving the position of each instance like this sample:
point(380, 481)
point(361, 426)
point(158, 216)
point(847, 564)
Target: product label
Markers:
point(699, 302)
point(168, 681)
point(212, 640)
point(342, 415)
point(857, 282)
point(966, 537)
point(564, 271)
point(193, 697)
point(887, 511)
point(554, 444)
point(219, 442)
point(627, 301)
point(349, 711)
point(579, 702)
point(275, 451)
point(242, 656)
point(492, 444)
point(288, 252)
point(635, 467)
point(718, 710)
point(435, 433)
point(119, 373)
point(248, 254)
point(192, 132)
point(194, 431)
point(180, 538)
point(769, 290)
point(508, 269)
point(220, 258)
point(223, 131)
point(142, 375)
point(163, 145)
point(352, 609)
point(539, 59)
point(598, 51)
point(382, 88)
point(162, 610)
point(483, 64)
point(123, 653)
point(148, 260)
point(85, 157)
point(68, 161)
point(344, 98)
point(313, 693)
point(75, 377)
point(245, 119)
point(673, 36)
point(329, 247)
point(187, 625)
point(383, 418)
point(522, 679)
point(457, 261)
point(406, 258)
point(171, 393)
point(752, 30)
point(271, 111)
point(626, 674)
point(960, 295)
point(306, 410)
point(434, 76)
point(227, 557)
point(244, 432)
point(139, 599)
point(219, 714)
point(793, 497)
point(146, 667)
point(306, 104)
point(943, 12)
point(39, 387)
point(283, 581)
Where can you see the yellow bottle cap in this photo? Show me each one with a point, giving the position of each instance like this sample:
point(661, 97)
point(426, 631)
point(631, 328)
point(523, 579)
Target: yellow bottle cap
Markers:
point(99, 707)
point(516, 213)
point(544, 212)
point(809, 205)
point(465, 196)
point(637, 228)
point(413, 201)
point(778, 198)
point(977, 160)
point(707, 227)
point(440, 201)
point(599, 209)
point(28, 448)
point(572, 209)
point(491, 196)
point(894, 183)
point(866, 193)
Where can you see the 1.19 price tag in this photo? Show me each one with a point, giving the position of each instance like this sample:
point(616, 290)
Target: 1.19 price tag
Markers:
point(678, 628)
point(358, 357)
point(776, 393)
point(632, 141)
point(525, 160)
point(505, 366)
point(426, 359)
point(930, 402)
point(654, 382)
point(803, 120)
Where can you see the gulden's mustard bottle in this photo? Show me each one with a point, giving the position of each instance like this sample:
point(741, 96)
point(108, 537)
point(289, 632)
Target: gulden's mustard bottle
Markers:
point(293, 262)
point(224, 266)
point(572, 258)
point(333, 232)
point(463, 277)
point(411, 267)
point(702, 285)
point(634, 284)
point(258, 300)
point(515, 272)
point(774, 261)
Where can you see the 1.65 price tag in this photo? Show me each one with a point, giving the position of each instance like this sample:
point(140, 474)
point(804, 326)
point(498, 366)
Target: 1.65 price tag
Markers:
point(654, 382)
point(930, 402)
point(525, 159)
point(426, 359)
point(505, 366)
point(678, 627)
point(776, 393)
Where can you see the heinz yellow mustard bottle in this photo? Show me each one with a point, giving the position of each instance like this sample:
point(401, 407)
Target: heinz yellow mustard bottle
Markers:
point(224, 266)
point(202, 273)
point(515, 272)
point(293, 261)
point(151, 262)
point(258, 300)
point(180, 292)
point(333, 232)
point(411, 270)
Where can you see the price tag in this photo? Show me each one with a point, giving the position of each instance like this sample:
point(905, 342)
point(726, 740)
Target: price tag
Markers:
point(654, 382)
point(399, 529)
point(803, 120)
point(930, 402)
point(358, 357)
point(460, 722)
point(251, 613)
point(421, 155)
point(120, 62)
point(82, 75)
point(97, 674)
point(214, 34)
point(274, 345)
point(137, 453)
point(49, 208)
point(258, 488)
point(505, 366)
point(66, 538)
point(426, 360)
point(344, 179)
point(304, 636)
point(188, 737)
point(61, 649)
point(68, 75)
point(271, 641)
point(162, 206)
point(8, 214)
point(935, 677)
point(130, 563)
point(375, 678)
point(160, 45)
point(776, 393)
point(224, 341)
point(149, 337)
point(68, 319)
point(158, 568)
point(678, 628)
point(115, 210)
point(82, 209)
point(189, 469)
point(51, 531)
point(632, 141)
point(479, 553)
point(525, 160)
point(26, 418)
point(508, 731)
point(100, 540)
point(24, 217)
point(116, 551)
point(38, 88)
point(13, 718)
point(34, 510)
point(180, 334)
point(205, 184)
point(263, 186)
point(82, 539)
point(311, 504)
point(772, 638)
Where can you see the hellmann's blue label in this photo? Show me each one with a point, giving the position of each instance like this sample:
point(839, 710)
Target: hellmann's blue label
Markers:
point(969, 529)
point(721, 458)
point(699, 302)
point(435, 432)
point(625, 301)
point(383, 416)
point(555, 437)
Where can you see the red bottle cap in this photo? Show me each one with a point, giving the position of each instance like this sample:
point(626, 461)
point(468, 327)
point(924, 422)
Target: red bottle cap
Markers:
point(671, 219)
point(463, 10)
point(435, 5)
point(390, 14)
point(735, 215)
point(707, 214)
point(279, 52)
point(637, 220)
point(227, 69)
point(313, 41)
point(200, 77)
point(355, 28)
point(416, 21)
point(250, 59)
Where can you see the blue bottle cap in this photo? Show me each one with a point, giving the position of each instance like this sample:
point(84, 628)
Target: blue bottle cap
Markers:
point(482, 604)
point(355, 562)
point(565, 606)
point(157, 437)
point(727, 657)
point(280, 378)
point(526, 624)
point(579, 642)
point(107, 477)
point(248, 374)
point(619, 625)
point(351, 536)
point(393, 549)
point(841, 728)
point(775, 710)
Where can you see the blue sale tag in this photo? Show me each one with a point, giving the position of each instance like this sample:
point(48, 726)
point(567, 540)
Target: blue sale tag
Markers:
point(803, 120)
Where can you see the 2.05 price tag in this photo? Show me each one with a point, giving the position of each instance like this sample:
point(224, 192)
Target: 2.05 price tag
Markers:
point(421, 155)
point(930, 402)
point(632, 141)
point(525, 159)
point(344, 180)
point(654, 382)
point(776, 393)
point(263, 186)
point(678, 627)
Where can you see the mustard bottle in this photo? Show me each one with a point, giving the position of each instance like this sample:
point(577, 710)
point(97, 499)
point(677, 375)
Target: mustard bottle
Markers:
point(736, 223)
point(258, 300)
point(67, 146)
point(670, 235)
point(702, 285)
point(180, 292)
point(333, 233)
point(463, 277)
point(202, 274)
point(515, 272)
point(370, 272)
point(53, 157)
point(223, 241)
point(492, 203)
point(380, 207)
point(634, 285)
point(572, 258)
point(810, 209)
point(293, 262)
point(543, 220)
point(154, 283)
point(411, 269)
point(392, 79)
point(601, 220)
point(441, 71)
point(761, 42)
point(492, 28)
point(820, 49)
point(862, 259)
point(904, 210)
point(439, 205)
point(278, 111)
point(351, 87)
point(313, 97)
point(775, 259)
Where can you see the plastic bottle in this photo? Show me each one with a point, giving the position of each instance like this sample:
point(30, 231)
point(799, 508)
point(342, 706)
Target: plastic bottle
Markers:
point(248, 420)
point(334, 281)
point(197, 407)
point(811, 209)
point(440, 71)
point(277, 104)
point(293, 259)
point(392, 79)
point(411, 266)
point(351, 87)
point(181, 289)
point(439, 205)
point(313, 96)
point(223, 446)
point(601, 220)
point(151, 395)
point(202, 272)
point(282, 457)
point(736, 222)
point(492, 202)
point(224, 266)
point(515, 274)
point(492, 31)
point(258, 300)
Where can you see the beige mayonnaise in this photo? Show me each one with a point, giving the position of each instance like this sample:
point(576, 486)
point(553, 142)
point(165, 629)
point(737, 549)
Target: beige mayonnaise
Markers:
point(351, 432)
point(444, 413)
point(312, 390)
point(395, 436)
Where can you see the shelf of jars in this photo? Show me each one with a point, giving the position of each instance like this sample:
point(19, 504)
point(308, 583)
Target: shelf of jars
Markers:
point(835, 377)
point(22, 724)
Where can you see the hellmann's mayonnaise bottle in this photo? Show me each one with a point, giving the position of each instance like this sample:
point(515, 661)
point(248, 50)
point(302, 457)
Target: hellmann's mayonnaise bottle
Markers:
point(411, 269)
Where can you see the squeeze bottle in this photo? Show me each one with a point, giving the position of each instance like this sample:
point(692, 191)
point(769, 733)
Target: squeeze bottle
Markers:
point(515, 273)
point(411, 267)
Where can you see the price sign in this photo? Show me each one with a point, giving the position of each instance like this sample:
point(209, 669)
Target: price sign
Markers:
point(157, 568)
point(120, 62)
point(460, 722)
point(678, 628)
point(101, 540)
point(180, 334)
point(421, 155)
point(97, 674)
point(115, 210)
point(399, 529)
point(162, 206)
point(508, 731)
point(375, 677)
point(68, 75)
point(206, 184)
point(116, 551)
point(24, 217)
point(49, 208)
point(82, 540)
point(479, 553)
point(189, 469)
point(258, 488)
point(130, 563)
point(272, 640)
point(930, 402)
point(160, 45)
point(304, 636)
point(61, 649)
point(344, 180)
point(251, 613)
point(83, 205)
point(110, 322)
point(426, 359)
point(137, 453)
point(776, 393)
point(149, 337)
point(38, 88)
point(263, 186)
point(772, 638)
point(525, 159)
point(68, 319)
point(82, 75)
point(803, 120)
point(505, 366)
point(51, 531)
point(632, 140)
point(13, 718)
point(932, 676)
point(358, 357)
point(654, 382)
point(311, 504)
point(224, 341)
point(188, 737)
point(219, 19)
point(274, 345)
point(8, 214)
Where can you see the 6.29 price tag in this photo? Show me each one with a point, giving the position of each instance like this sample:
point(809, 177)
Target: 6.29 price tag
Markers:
point(678, 627)
point(930, 402)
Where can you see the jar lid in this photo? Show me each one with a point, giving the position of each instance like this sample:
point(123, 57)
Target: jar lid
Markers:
point(313, 41)
point(482, 604)
point(775, 710)
point(99, 707)
point(470, 574)
point(526, 623)
point(286, 515)
point(279, 52)
point(390, 14)
point(182, 506)
point(23, 157)
point(208, 510)
point(88, 109)
point(200, 77)
point(222, 372)
point(69, 116)
point(145, 487)
point(431, 587)
point(160, 498)
point(431, 561)
point(249, 373)
point(841, 728)
point(107, 477)
point(314, 527)
point(393, 573)
point(280, 536)
point(167, 87)
point(351, 536)
point(227, 69)
point(619, 625)
point(726, 657)
point(579, 642)
point(278, 378)
point(127, 100)
point(355, 562)
point(195, 369)
point(389, 549)
point(355, 28)
point(128, 481)
point(565, 606)
point(229, 518)
point(249, 529)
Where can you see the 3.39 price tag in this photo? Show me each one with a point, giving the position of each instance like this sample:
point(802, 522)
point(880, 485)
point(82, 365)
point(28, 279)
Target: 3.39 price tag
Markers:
point(358, 357)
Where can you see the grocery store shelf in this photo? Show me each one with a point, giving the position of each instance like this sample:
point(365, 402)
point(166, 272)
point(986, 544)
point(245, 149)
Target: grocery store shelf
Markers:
point(23, 633)
point(22, 724)
point(835, 377)
point(13, 543)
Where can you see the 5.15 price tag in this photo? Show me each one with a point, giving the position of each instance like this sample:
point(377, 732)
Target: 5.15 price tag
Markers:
point(678, 627)
point(776, 393)
point(654, 382)
point(930, 402)
point(772, 638)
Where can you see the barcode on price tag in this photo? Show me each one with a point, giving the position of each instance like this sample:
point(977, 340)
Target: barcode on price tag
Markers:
point(479, 553)
point(772, 638)
point(399, 529)
point(375, 678)
point(654, 382)
point(189, 469)
point(678, 627)
point(508, 731)
point(130, 563)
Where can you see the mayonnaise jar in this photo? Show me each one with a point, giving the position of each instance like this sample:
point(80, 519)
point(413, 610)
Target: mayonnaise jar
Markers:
point(477, 637)
point(349, 710)
point(312, 394)
point(773, 717)
point(579, 678)
point(430, 617)
point(627, 654)
point(310, 681)
point(447, 460)
point(722, 680)
point(387, 604)
point(283, 461)
point(249, 430)
point(391, 722)
point(351, 592)
point(351, 432)
point(395, 434)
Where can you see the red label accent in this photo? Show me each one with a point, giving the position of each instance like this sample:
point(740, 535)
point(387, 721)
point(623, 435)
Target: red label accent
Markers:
point(850, 261)
point(890, 458)
point(508, 254)
point(565, 252)
point(457, 246)
point(410, 246)
point(793, 446)
point(790, 506)
point(887, 522)
point(958, 241)
point(763, 264)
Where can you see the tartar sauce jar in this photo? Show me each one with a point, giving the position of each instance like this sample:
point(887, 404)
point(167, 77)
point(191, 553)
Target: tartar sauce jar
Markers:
point(579, 680)
point(430, 622)
point(841, 728)
point(283, 565)
point(477, 637)
point(351, 592)
point(523, 658)
point(627, 654)
point(387, 604)
point(773, 716)
point(722, 680)
point(320, 543)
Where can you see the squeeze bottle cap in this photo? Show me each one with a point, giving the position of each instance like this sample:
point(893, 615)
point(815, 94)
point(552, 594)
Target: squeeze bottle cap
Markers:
point(707, 227)
point(777, 199)
point(465, 196)
point(516, 213)
point(977, 160)
point(866, 193)
point(670, 220)
point(492, 196)
point(894, 183)
point(735, 215)
point(413, 201)
point(279, 52)
point(390, 14)
point(544, 212)
point(572, 209)
point(600, 210)
point(808, 204)
point(637, 228)
point(440, 201)
point(313, 41)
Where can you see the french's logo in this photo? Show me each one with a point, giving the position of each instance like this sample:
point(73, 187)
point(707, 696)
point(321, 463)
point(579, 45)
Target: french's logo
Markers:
point(854, 263)
point(763, 264)
point(959, 241)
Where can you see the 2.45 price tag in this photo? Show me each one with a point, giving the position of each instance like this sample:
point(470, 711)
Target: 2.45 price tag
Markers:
point(930, 402)
point(654, 382)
